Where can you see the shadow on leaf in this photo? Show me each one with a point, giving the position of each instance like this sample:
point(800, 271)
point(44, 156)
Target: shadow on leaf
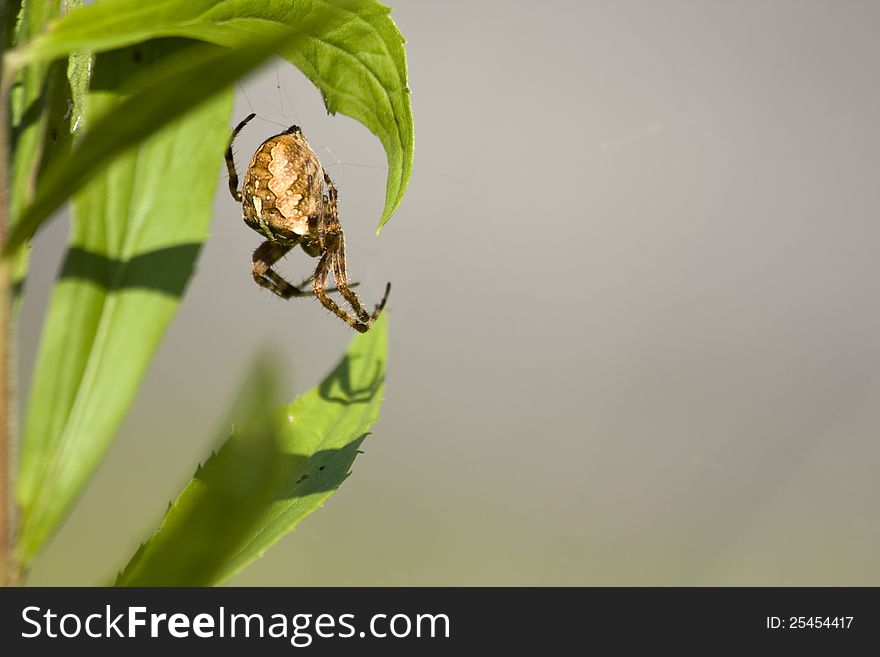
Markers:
point(164, 270)
point(338, 388)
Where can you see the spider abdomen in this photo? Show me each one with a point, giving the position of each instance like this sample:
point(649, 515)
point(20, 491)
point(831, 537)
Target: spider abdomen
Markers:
point(283, 187)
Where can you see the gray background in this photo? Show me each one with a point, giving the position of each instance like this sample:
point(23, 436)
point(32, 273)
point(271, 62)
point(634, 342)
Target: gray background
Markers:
point(634, 319)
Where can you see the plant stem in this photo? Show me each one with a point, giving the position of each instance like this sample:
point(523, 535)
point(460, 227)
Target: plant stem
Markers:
point(7, 512)
point(8, 568)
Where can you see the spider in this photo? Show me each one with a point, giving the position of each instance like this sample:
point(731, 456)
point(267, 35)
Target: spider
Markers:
point(283, 199)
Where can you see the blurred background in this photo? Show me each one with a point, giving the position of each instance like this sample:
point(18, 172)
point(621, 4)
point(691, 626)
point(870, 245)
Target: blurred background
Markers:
point(634, 322)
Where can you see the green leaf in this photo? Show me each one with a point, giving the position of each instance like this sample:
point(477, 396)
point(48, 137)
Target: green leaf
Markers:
point(351, 50)
point(135, 235)
point(42, 117)
point(154, 98)
point(202, 528)
point(29, 101)
point(269, 474)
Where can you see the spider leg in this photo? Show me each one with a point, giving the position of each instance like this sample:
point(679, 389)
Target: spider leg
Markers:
point(337, 259)
point(266, 255)
point(311, 292)
point(340, 273)
point(230, 161)
point(322, 271)
point(335, 245)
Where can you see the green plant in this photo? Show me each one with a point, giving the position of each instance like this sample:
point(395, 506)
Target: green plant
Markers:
point(97, 101)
